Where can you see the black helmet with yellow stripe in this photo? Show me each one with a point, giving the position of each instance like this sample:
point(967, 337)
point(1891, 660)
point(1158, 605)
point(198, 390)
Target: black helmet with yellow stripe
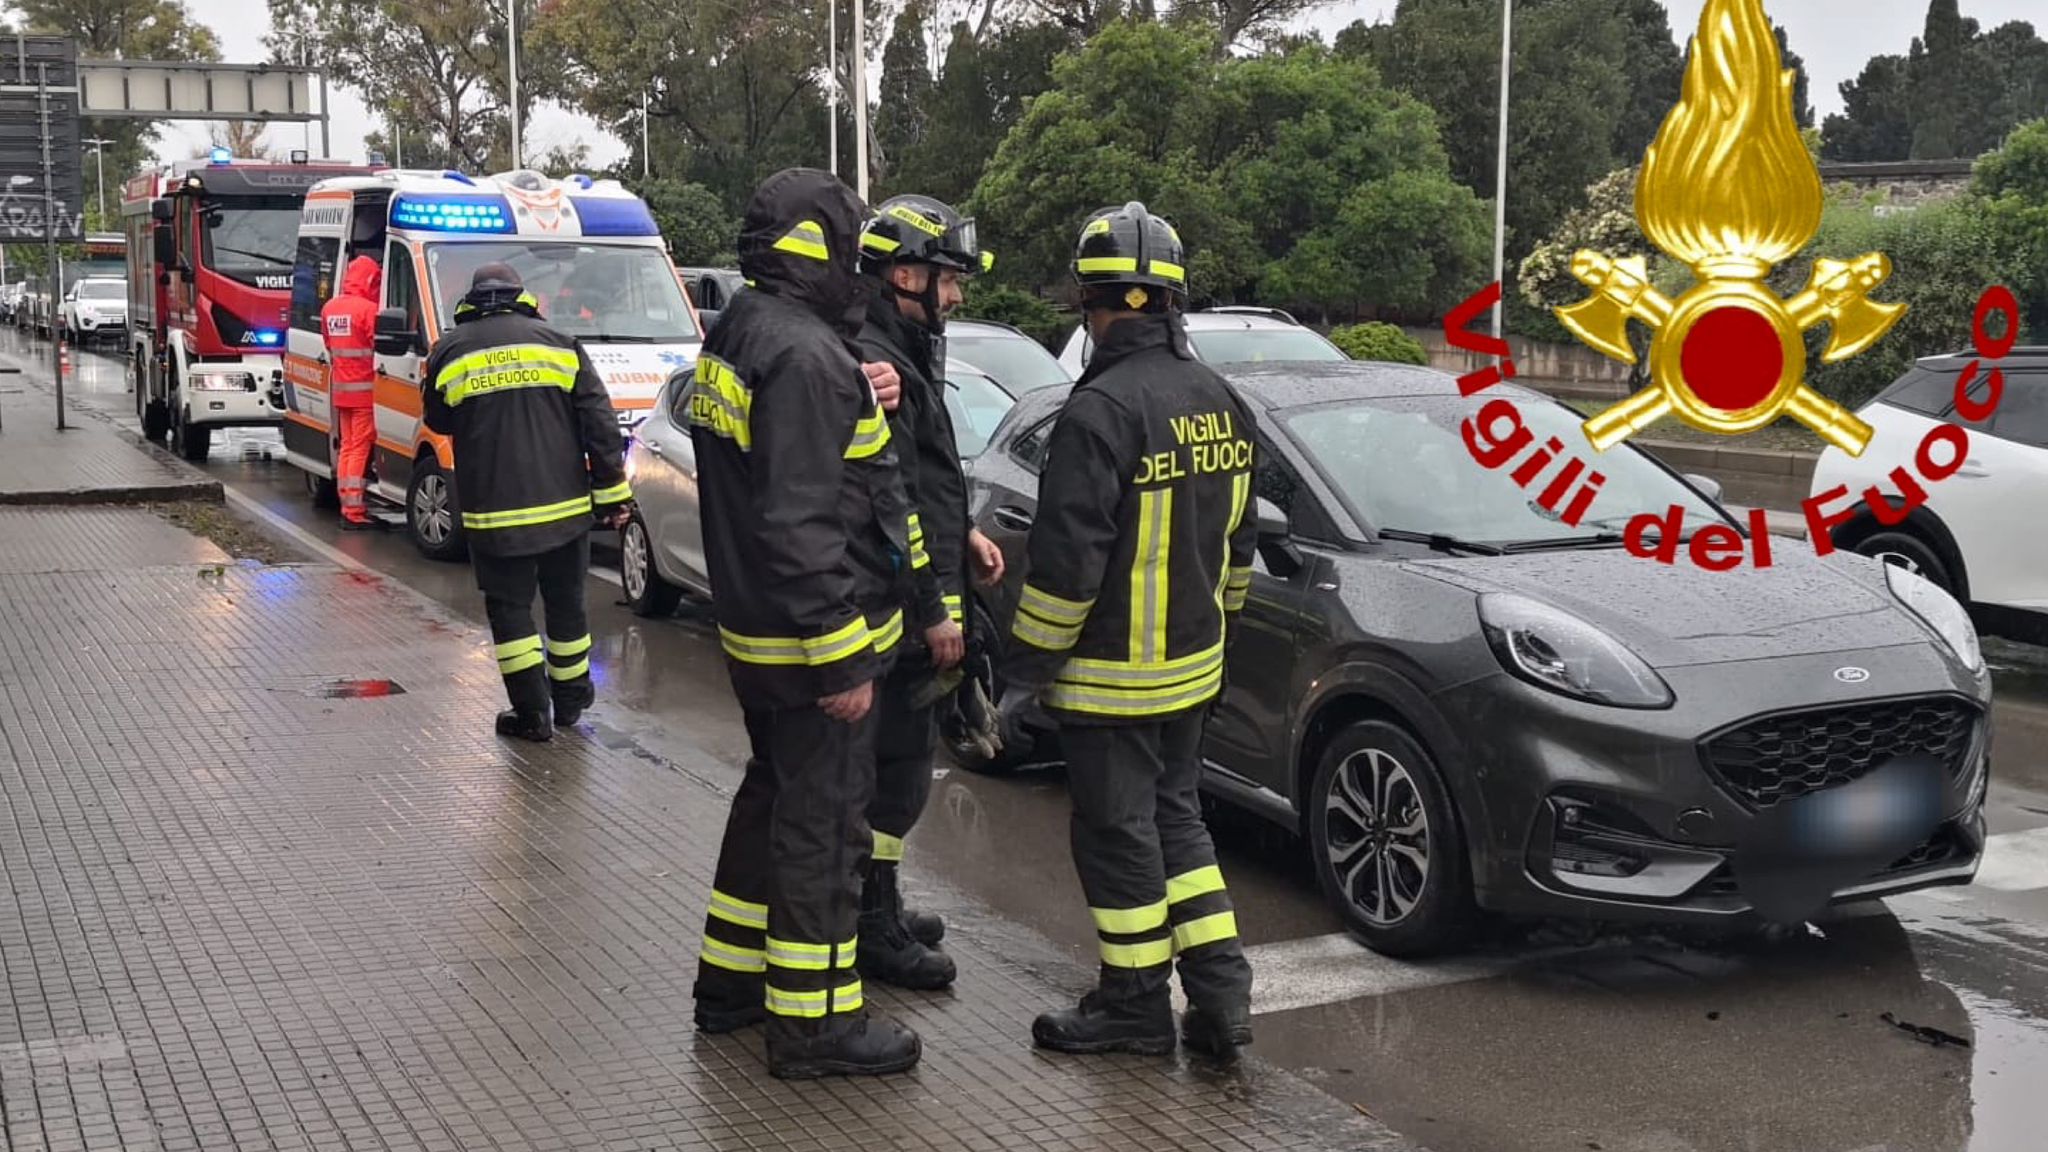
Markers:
point(1129, 258)
point(921, 230)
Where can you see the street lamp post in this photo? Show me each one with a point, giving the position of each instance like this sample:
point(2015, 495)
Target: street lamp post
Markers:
point(1500, 185)
point(644, 167)
point(860, 98)
point(832, 90)
point(512, 52)
point(99, 167)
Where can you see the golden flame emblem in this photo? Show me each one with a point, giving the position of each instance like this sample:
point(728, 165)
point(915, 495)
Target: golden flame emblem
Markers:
point(1728, 188)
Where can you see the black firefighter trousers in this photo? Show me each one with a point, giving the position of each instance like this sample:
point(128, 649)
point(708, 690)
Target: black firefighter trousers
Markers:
point(907, 738)
point(535, 671)
point(785, 899)
point(1147, 864)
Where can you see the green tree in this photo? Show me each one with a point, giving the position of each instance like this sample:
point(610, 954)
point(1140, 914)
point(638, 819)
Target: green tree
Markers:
point(1941, 87)
point(1956, 93)
point(2013, 184)
point(1876, 121)
point(984, 82)
point(1379, 341)
point(1802, 101)
point(1656, 70)
point(1027, 312)
point(699, 228)
point(437, 68)
point(903, 114)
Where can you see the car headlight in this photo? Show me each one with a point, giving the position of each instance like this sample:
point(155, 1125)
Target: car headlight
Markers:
point(223, 382)
point(1556, 650)
point(1939, 611)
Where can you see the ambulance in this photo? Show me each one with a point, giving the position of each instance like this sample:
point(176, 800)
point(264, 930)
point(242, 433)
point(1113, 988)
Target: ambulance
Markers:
point(587, 250)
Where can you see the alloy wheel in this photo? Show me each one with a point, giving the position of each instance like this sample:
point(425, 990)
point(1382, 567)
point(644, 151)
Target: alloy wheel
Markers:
point(1378, 836)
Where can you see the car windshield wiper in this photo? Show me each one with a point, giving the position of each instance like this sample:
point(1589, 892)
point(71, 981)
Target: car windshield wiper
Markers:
point(263, 256)
point(1563, 543)
point(1439, 542)
point(617, 338)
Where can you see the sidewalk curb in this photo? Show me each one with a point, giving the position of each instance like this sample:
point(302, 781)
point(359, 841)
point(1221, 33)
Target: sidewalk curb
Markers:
point(209, 491)
point(1752, 461)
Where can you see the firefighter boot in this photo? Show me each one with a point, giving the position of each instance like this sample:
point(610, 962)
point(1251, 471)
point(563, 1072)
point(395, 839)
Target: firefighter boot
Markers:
point(571, 697)
point(1140, 1023)
point(924, 927)
point(855, 1046)
point(1216, 1033)
point(526, 725)
point(728, 1006)
point(887, 951)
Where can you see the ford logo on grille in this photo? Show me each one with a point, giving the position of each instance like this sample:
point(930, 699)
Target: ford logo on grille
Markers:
point(1852, 675)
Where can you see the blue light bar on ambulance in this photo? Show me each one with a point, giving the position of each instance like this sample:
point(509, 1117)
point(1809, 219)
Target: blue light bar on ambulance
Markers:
point(452, 213)
point(608, 217)
point(220, 155)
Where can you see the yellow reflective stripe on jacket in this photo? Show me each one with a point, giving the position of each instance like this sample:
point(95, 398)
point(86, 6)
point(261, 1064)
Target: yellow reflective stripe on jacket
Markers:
point(507, 367)
point(812, 1005)
point(1126, 674)
point(887, 633)
point(722, 403)
point(918, 556)
point(1237, 585)
point(733, 910)
point(888, 849)
point(807, 240)
point(1232, 583)
point(732, 958)
point(1054, 609)
point(1149, 584)
point(1206, 930)
point(1127, 921)
point(526, 517)
point(810, 957)
point(1102, 700)
point(870, 436)
point(1145, 954)
point(1039, 634)
point(953, 608)
point(815, 651)
point(616, 494)
point(1198, 882)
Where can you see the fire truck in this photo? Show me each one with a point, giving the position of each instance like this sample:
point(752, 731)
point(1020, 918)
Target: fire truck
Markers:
point(211, 244)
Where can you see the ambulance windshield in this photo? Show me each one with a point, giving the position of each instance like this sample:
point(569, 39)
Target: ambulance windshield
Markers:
point(600, 293)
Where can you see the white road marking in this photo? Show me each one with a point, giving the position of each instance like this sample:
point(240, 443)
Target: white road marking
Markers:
point(2015, 861)
point(298, 535)
point(608, 575)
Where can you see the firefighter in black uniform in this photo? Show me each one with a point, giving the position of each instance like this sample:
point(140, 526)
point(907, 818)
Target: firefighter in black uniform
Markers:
point(537, 452)
point(1138, 561)
point(918, 250)
point(806, 535)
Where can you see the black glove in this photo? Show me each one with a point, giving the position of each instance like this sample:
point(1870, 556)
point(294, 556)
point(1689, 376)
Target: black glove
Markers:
point(1017, 712)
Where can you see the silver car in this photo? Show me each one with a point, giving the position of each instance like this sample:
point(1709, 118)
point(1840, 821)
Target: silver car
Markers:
point(661, 550)
point(1230, 335)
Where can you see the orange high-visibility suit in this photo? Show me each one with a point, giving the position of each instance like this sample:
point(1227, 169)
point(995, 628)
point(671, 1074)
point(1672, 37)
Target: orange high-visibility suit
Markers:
point(349, 322)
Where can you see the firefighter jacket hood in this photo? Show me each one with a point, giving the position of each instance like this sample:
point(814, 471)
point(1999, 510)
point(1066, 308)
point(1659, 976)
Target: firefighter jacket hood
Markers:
point(536, 442)
point(1141, 552)
point(806, 527)
point(921, 429)
point(800, 240)
point(363, 280)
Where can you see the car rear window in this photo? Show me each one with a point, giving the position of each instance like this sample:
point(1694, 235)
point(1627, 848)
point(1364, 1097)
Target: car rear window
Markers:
point(1922, 390)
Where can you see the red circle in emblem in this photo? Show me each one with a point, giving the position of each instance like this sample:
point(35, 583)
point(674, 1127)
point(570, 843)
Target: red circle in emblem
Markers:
point(1732, 359)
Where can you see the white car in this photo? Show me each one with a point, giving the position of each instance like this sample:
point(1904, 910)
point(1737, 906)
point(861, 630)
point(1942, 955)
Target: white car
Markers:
point(1016, 361)
point(1979, 535)
point(96, 308)
point(1230, 335)
point(661, 550)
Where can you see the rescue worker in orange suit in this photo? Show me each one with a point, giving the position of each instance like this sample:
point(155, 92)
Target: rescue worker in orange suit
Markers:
point(537, 453)
point(1138, 562)
point(349, 324)
point(807, 541)
point(918, 250)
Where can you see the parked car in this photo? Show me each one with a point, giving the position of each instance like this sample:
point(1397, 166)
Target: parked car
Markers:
point(10, 299)
point(1460, 702)
point(95, 310)
point(1018, 362)
point(661, 550)
point(1230, 335)
point(1978, 535)
point(711, 289)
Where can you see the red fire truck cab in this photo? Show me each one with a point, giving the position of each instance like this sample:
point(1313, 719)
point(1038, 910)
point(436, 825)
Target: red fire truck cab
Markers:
point(211, 245)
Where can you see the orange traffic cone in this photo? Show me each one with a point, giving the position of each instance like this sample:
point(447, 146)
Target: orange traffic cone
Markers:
point(63, 358)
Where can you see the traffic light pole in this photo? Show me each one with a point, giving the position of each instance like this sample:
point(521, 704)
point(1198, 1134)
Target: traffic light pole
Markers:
point(50, 238)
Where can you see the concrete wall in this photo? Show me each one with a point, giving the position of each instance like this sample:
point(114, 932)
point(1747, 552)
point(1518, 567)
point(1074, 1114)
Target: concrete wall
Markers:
point(1560, 369)
point(1905, 184)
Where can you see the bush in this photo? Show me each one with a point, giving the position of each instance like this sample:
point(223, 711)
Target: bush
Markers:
point(1378, 341)
point(1032, 315)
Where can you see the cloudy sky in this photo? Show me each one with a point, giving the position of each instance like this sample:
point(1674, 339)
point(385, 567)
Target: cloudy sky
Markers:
point(1834, 36)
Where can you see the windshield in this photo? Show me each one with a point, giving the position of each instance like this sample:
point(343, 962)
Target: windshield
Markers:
point(1403, 465)
point(102, 290)
point(604, 293)
point(252, 239)
point(977, 404)
point(1254, 345)
point(1017, 361)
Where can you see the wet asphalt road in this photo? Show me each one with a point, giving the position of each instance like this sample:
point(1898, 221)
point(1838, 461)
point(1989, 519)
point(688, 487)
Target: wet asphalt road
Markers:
point(1544, 1041)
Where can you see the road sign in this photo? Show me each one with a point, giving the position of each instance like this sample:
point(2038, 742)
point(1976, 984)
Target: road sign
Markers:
point(42, 184)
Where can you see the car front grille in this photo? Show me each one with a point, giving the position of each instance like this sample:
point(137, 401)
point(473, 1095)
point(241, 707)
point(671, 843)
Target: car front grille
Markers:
point(1773, 759)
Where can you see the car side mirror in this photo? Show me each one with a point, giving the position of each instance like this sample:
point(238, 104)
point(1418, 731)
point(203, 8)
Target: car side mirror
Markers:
point(1708, 486)
point(161, 210)
point(1276, 540)
point(395, 336)
point(164, 247)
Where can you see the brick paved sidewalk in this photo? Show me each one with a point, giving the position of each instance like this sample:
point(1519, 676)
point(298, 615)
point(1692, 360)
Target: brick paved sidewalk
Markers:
point(252, 911)
point(90, 462)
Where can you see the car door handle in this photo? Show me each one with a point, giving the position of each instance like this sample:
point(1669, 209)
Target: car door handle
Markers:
point(652, 446)
point(1973, 467)
point(1014, 518)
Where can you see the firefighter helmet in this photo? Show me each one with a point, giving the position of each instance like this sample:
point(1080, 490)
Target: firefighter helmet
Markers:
point(1129, 247)
point(921, 230)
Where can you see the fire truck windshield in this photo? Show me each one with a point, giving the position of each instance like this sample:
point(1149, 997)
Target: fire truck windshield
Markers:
point(604, 293)
point(251, 238)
